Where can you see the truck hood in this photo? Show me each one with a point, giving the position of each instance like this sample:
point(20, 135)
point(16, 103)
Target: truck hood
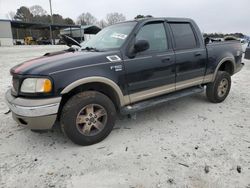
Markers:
point(62, 60)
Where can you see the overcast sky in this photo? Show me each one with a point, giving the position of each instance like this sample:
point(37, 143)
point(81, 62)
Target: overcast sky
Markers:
point(211, 15)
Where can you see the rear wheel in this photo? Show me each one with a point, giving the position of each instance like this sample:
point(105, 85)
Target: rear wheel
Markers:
point(88, 117)
point(218, 90)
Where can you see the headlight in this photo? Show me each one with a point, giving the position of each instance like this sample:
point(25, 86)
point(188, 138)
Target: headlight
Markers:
point(36, 85)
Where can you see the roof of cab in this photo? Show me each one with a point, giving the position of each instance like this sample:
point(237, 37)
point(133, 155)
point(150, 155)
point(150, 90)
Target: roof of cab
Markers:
point(169, 19)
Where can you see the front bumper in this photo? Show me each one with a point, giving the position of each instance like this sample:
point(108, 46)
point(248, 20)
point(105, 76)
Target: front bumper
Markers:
point(36, 114)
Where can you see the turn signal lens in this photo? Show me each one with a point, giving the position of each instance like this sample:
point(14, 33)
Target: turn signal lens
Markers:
point(47, 86)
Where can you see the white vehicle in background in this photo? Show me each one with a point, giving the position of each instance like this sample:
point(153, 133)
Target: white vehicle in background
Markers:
point(244, 44)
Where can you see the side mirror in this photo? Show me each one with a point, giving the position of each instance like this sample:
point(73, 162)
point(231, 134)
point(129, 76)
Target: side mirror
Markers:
point(207, 40)
point(141, 45)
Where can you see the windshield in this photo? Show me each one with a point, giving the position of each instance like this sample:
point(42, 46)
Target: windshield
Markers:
point(110, 37)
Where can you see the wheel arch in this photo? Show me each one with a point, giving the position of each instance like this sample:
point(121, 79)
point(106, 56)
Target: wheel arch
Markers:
point(101, 84)
point(226, 64)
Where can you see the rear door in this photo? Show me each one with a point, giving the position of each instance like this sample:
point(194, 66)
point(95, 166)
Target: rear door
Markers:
point(152, 72)
point(190, 55)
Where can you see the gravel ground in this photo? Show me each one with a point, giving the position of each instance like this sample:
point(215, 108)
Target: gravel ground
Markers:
point(184, 143)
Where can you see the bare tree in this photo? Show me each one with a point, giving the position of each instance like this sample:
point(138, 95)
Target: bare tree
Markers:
point(11, 15)
point(102, 23)
point(115, 17)
point(86, 19)
point(37, 10)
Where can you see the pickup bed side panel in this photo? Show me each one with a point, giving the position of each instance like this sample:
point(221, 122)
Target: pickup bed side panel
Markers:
point(221, 52)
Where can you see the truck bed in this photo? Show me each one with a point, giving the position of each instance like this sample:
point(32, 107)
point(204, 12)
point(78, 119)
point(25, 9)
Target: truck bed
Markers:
point(216, 51)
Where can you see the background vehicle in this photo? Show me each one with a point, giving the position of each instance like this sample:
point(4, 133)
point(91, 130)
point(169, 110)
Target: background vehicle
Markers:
point(125, 68)
point(30, 41)
point(43, 41)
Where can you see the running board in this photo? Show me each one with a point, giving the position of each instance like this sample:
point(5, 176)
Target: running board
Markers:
point(131, 109)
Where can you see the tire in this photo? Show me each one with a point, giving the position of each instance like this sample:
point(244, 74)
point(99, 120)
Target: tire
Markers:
point(215, 92)
point(88, 117)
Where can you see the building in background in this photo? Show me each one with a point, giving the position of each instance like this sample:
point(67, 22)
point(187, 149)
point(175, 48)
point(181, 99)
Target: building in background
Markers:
point(13, 32)
point(6, 37)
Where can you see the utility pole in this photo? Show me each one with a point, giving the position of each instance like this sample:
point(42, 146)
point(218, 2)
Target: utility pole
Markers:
point(50, 28)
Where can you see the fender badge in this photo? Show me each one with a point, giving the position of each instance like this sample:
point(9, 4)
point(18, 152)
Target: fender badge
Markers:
point(116, 68)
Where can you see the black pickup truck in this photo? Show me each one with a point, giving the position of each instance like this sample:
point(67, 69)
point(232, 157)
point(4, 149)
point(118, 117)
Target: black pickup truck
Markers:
point(125, 68)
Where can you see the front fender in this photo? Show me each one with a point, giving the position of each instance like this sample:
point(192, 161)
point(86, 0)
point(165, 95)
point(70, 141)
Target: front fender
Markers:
point(123, 99)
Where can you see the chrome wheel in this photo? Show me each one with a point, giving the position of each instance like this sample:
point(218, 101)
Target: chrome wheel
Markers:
point(223, 87)
point(91, 119)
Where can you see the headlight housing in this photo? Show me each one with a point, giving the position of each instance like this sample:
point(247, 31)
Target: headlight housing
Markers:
point(36, 85)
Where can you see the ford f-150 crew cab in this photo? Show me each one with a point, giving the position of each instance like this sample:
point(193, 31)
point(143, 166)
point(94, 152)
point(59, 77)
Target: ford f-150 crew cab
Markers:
point(125, 68)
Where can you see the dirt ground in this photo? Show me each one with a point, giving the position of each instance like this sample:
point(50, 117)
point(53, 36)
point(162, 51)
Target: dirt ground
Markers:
point(171, 145)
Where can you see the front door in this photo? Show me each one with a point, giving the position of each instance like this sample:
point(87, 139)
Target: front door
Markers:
point(152, 72)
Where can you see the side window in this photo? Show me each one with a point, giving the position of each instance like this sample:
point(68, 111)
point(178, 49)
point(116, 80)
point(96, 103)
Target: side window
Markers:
point(183, 35)
point(155, 34)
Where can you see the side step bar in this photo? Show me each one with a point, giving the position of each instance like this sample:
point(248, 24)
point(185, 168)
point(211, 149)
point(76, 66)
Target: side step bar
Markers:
point(131, 109)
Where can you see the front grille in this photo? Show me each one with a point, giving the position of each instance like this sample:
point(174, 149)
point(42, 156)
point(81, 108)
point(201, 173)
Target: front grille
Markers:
point(15, 86)
point(15, 83)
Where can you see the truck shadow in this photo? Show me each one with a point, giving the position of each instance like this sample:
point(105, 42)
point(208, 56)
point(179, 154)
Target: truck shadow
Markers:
point(174, 107)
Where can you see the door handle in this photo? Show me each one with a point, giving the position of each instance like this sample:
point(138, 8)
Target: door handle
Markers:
point(197, 54)
point(165, 60)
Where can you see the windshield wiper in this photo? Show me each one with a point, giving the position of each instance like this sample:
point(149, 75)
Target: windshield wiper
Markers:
point(91, 49)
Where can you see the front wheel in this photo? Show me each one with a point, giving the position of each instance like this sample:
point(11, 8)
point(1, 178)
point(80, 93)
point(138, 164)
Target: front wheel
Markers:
point(88, 117)
point(218, 90)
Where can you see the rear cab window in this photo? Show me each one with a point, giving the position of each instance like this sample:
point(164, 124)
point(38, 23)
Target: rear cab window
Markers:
point(184, 36)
